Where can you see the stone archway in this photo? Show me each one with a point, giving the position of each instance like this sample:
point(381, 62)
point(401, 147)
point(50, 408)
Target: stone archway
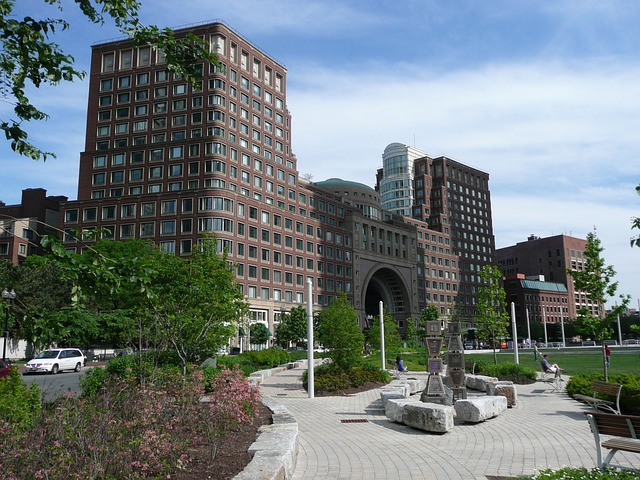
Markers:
point(387, 285)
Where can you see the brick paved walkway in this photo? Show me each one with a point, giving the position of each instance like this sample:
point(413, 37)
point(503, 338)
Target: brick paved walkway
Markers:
point(545, 430)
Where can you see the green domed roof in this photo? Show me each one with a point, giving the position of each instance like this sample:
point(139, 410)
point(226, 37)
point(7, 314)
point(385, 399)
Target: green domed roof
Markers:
point(338, 182)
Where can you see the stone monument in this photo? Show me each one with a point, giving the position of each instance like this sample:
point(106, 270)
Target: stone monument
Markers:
point(455, 361)
point(434, 392)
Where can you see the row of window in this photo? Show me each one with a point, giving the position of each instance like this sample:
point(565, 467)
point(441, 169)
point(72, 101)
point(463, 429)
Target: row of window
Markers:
point(223, 225)
point(144, 56)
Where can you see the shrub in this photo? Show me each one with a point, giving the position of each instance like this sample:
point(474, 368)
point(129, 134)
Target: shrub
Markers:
point(253, 360)
point(629, 396)
point(331, 378)
point(516, 373)
point(92, 381)
point(584, 474)
point(127, 431)
point(269, 358)
point(476, 368)
point(19, 405)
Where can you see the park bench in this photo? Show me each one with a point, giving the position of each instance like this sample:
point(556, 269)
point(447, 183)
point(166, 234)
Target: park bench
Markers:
point(623, 432)
point(603, 388)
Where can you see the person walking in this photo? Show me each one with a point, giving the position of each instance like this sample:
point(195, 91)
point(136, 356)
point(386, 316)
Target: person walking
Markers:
point(607, 354)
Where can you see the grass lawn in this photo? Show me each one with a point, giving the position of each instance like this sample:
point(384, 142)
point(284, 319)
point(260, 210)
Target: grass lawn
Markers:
point(573, 361)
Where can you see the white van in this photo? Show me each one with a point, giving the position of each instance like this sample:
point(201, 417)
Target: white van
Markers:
point(55, 360)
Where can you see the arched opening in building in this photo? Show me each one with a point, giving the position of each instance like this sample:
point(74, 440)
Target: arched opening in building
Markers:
point(387, 286)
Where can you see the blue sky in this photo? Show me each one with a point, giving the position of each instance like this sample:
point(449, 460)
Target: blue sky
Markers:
point(542, 95)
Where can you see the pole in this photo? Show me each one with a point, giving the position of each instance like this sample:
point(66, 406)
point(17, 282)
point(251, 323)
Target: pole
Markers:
point(310, 366)
point(544, 320)
point(6, 334)
point(382, 359)
point(9, 296)
point(516, 360)
point(564, 343)
point(528, 328)
point(619, 332)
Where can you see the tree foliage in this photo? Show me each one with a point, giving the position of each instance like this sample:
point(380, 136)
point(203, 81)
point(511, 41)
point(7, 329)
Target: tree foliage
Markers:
point(130, 293)
point(493, 319)
point(411, 332)
point(260, 334)
point(29, 57)
point(429, 313)
point(292, 327)
point(391, 335)
point(196, 304)
point(595, 281)
point(340, 333)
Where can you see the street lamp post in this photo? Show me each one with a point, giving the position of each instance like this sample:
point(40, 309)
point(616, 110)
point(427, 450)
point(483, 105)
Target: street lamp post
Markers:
point(10, 296)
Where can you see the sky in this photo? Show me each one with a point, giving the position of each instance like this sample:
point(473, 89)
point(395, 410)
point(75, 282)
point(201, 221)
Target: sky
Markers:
point(542, 95)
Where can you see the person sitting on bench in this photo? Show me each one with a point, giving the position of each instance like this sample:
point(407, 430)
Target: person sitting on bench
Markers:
point(400, 364)
point(548, 367)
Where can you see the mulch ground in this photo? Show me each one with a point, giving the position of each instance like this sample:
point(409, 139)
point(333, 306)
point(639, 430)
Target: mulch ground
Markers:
point(232, 455)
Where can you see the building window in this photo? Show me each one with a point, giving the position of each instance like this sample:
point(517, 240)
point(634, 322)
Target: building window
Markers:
point(106, 84)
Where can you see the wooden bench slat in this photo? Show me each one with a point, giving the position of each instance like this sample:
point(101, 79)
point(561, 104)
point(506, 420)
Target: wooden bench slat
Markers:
point(623, 432)
point(603, 388)
point(626, 444)
point(587, 398)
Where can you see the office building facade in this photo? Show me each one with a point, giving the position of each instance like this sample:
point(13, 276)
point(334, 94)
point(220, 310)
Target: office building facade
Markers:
point(549, 258)
point(171, 162)
point(23, 225)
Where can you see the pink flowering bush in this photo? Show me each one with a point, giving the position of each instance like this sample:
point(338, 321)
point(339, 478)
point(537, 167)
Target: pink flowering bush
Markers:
point(231, 402)
point(129, 431)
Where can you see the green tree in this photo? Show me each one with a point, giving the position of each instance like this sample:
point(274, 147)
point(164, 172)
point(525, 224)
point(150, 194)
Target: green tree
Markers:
point(260, 334)
point(595, 281)
point(29, 57)
point(196, 303)
point(292, 327)
point(340, 333)
point(430, 313)
point(493, 319)
point(411, 332)
point(109, 285)
point(391, 335)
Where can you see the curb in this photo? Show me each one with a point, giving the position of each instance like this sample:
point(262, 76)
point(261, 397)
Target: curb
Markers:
point(275, 451)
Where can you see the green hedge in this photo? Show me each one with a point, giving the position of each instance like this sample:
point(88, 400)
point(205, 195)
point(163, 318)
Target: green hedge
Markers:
point(254, 360)
point(330, 378)
point(629, 396)
point(518, 374)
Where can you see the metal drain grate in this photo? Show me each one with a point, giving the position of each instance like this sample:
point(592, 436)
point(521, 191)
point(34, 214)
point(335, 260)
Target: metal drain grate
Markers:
point(354, 420)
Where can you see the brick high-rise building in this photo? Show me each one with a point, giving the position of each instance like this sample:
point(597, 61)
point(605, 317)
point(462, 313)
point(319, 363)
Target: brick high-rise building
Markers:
point(549, 258)
point(171, 163)
point(22, 225)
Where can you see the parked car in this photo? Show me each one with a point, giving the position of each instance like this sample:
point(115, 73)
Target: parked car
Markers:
point(5, 368)
point(55, 360)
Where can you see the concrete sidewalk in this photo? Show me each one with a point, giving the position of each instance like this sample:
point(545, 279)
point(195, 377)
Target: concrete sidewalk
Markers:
point(350, 437)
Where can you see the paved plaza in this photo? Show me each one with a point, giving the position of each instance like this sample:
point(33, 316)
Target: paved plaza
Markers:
point(349, 437)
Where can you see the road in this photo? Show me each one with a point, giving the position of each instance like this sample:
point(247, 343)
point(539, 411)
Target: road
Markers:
point(53, 386)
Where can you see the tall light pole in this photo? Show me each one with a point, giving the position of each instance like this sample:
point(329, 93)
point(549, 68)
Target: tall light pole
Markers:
point(514, 327)
point(528, 327)
point(310, 360)
point(544, 320)
point(10, 296)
